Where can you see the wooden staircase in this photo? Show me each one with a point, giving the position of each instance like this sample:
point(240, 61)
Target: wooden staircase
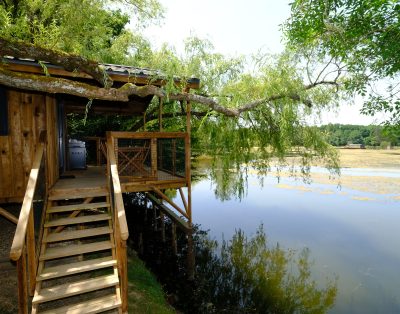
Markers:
point(77, 269)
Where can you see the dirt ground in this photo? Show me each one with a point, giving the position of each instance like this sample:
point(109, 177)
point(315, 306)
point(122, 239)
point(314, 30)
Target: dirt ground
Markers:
point(8, 274)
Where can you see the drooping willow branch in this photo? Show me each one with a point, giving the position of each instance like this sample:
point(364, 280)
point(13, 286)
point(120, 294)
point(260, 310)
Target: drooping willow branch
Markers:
point(55, 85)
point(152, 117)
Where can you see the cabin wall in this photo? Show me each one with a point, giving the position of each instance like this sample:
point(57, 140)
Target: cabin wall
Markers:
point(28, 115)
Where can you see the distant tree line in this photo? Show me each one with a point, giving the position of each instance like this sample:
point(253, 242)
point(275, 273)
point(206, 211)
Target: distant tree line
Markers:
point(369, 135)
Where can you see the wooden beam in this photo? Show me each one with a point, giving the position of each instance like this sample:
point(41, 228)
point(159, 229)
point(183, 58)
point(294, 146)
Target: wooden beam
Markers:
point(73, 214)
point(183, 200)
point(174, 217)
point(168, 200)
point(174, 242)
point(9, 216)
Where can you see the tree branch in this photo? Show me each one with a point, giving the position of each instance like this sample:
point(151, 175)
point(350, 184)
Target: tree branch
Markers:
point(54, 85)
point(69, 62)
point(63, 86)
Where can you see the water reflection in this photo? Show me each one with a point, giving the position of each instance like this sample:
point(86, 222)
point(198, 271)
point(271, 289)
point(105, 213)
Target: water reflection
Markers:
point(352, 234)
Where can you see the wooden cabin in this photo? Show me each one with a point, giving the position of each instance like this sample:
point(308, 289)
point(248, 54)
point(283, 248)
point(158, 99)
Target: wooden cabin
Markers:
point(71, 234)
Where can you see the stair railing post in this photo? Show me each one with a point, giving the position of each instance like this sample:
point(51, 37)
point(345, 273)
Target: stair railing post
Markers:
point(30, 245)
point(121, 250)
point(22, 284)
point(124, 275)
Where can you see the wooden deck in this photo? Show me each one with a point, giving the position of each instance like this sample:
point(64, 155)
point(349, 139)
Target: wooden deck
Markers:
point(77, 183)
point(94, 180)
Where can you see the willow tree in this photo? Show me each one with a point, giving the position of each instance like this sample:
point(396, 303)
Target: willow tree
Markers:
point(242, 118)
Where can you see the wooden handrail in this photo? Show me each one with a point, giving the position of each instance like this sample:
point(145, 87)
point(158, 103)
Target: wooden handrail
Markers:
point(119, 204)
point(20, 233)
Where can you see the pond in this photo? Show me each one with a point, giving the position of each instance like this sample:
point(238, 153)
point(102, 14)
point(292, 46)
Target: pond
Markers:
point(352, 234)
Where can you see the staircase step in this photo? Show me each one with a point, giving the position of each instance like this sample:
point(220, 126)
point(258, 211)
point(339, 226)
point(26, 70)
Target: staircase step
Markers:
point(89, 307)
point(76, 268)
point(74, 194)
point(76, 220)
point(76, 234)
point(68, 208)
point(75, 249)
point(79, 287)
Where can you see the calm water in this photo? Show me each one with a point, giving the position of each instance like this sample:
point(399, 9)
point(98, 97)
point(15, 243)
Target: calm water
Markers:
point(357, 240)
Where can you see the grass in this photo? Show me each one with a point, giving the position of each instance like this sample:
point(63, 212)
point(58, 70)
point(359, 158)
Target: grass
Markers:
point(370, 158)
point(145, 293)
point(365, 158)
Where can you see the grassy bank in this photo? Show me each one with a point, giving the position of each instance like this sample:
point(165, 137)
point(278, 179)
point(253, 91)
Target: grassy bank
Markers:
point(145, 293)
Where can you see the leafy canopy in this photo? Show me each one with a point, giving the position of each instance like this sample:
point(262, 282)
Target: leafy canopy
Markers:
point(362, 34)
point(95, 29)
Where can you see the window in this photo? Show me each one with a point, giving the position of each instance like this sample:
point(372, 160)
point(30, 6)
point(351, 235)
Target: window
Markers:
point(3, 112)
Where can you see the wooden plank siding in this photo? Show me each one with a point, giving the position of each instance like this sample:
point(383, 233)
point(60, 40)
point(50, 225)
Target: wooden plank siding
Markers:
point(28, 115)
point(52, 140)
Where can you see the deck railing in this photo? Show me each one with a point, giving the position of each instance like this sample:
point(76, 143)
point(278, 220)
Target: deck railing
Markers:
point(147, 156)
point(120, 225)
point(25, 245)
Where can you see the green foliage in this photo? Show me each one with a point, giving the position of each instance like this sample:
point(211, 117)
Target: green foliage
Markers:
point(246, 275)
point(362, 34)
point(145, 293)
point(91, 28)
point(372, 135)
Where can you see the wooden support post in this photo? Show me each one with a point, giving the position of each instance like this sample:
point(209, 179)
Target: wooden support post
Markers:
point(98, 152)
point(190, 258)
point(167, 199)
point(155, 226)
point(162, 217)
point(30, 245)
point(187, 163)
point(173, 239)
point(144, 121)
point(140, 243)
point(22, 284)
point(153, 151)
point(173, 156)
point(145, 214)
point(123, 270)
point(191, 255)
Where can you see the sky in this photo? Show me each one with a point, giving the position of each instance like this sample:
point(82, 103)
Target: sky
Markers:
point(238, 27)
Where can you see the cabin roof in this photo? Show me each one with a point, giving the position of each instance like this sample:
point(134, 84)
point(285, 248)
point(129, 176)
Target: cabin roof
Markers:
point(119, 73)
